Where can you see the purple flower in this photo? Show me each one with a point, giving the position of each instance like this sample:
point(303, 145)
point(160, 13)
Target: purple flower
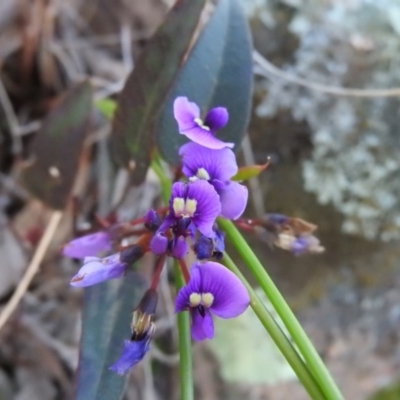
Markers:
point(88, 245)
point(194, 203)
point(95, 270)
point(217, 167)
point(133, 352)
point(187, 114)
point(212, 288)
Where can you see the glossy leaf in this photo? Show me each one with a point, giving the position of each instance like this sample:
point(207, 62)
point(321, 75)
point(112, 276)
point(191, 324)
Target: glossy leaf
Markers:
point(56, 149)
point(249, 171)
point(217, 73)
point(148, 85)
point(106, 317)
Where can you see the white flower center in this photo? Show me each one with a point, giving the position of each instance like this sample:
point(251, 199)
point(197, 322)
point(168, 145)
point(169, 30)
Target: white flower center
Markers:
point(204, 299)
point(184, 208)
point(203, 174)
point(200, 123)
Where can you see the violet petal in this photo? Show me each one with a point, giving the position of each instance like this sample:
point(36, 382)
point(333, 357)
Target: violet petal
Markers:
point(193, 286)
point(95, 270)
point(159, 243)
point(204, 247)
point(231, 297)
point(88, 245)
point(216, 118)
point(233, 200)
point(208, 206)
point(205, 138)
point(179, 248)
point(185, 113)
point(219, 164)
point(133, 352)
point(202, 326)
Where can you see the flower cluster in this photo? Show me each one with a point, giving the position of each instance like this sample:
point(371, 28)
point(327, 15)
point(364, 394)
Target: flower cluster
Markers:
point(188, 222)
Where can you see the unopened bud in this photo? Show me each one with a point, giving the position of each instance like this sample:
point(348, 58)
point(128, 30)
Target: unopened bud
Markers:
point(152, 221)
point(131, 254)
point(143, 316)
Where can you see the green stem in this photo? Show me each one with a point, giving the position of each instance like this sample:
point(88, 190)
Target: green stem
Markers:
point(278, 336)
point(312, 358)
point(185, 344)
point(164, 180)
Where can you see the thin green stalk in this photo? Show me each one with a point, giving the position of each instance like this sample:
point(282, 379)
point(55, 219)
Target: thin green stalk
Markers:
point(300, 338)
point(185, 344)
point(278, 336)
point(165, 181)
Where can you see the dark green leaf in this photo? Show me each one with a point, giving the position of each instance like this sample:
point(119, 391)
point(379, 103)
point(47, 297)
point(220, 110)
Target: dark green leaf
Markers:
point(217, 73)
point(147, 87)
point(107, 316)
point(56, 149)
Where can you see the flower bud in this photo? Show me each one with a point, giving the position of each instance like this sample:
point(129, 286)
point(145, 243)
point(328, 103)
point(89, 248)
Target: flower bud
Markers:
point(152, 221)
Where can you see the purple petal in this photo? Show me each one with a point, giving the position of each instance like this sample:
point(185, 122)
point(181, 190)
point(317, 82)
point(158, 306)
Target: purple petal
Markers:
point(159, 243)
point(133, 352)
point(202, 327)
point(180, 248)
point(216, 118)
point(88, 245)
point(205, 138)
point(231, 297)
point(169, 219)
point(208, 206)
point(185, 113)
point(178, 190)
point(219, 164)
point(233, 200)
point(219, 241)
point(95, 270)
point(193, 286)
point(204, 248)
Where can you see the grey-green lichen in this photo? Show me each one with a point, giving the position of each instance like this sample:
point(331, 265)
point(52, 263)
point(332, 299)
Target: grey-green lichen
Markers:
point(355, 161)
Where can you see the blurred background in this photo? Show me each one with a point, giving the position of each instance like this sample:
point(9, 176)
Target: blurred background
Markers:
point(335, 162)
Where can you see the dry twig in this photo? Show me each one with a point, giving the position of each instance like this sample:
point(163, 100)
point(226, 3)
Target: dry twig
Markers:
point(32, 267)
point(266, 69)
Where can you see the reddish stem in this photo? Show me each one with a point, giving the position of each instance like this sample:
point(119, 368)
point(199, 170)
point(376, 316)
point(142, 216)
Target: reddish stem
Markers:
point(245, 224)
point(184, 270)
point(157, 273)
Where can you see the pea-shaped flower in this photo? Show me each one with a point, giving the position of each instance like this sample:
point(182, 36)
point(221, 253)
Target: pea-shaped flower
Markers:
point(212, 288)
point(217, 167)
point(187, 114)
point(197, 203)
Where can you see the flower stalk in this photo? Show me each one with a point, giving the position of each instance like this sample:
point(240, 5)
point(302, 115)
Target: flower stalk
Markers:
point(278, 336)
point(185, 344)
point(300, 338)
